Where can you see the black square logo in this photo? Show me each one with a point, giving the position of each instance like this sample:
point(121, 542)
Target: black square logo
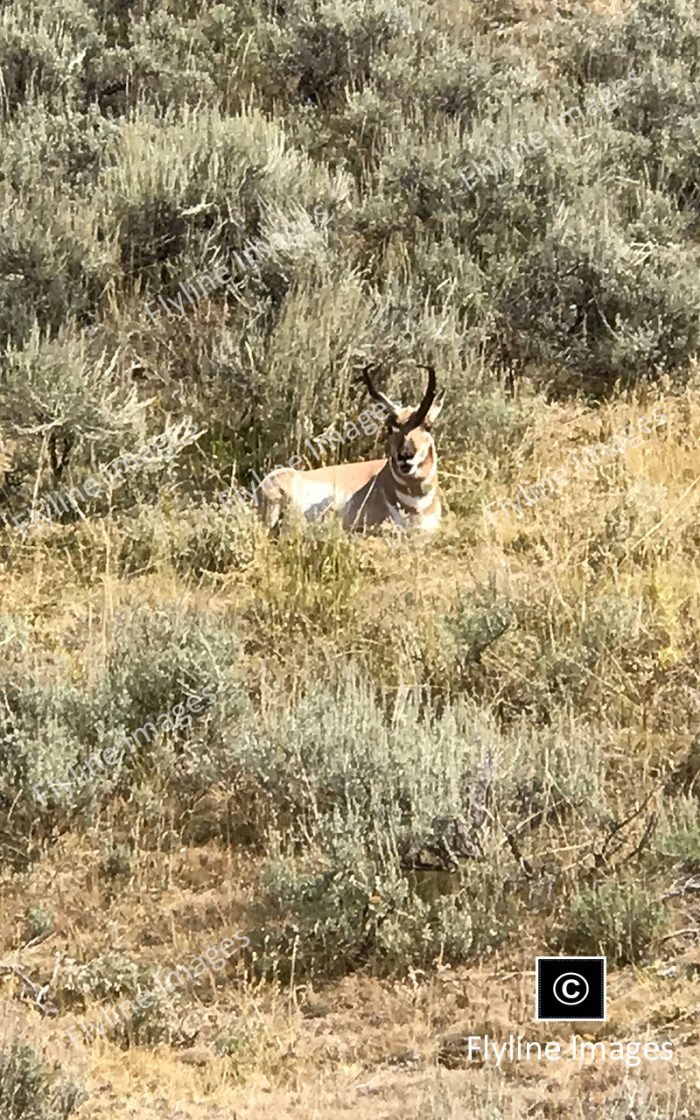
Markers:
point(570, 988)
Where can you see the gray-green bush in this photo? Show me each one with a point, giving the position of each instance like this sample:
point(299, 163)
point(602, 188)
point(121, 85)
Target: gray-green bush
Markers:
point(32, 1089)
point(136, 156)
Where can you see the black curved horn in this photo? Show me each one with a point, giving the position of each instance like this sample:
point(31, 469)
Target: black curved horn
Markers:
point(425, 405)
point(375, 393)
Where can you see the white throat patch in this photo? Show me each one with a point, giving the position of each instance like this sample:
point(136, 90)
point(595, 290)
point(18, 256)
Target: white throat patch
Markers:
point(414, 501)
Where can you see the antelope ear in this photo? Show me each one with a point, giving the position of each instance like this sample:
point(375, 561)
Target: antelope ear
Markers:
point(435, 409)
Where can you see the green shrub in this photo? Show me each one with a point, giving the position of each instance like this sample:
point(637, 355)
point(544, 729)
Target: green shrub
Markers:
point(56, 268)
point(103, 978)
point(359, 794)
point(593, 47)
point(31, 1089)
point(479, 621)
point(37, 923)
point(62, 392)
point(598, 304)
point(159, 656)
point(157, 659)
point(160, 1021)
point(320, 50)
point(613, 625)
point(350, 912)
point(678, 836)
point(54, 732)
point(39, 49)
point(45, 726)
point(618, 920)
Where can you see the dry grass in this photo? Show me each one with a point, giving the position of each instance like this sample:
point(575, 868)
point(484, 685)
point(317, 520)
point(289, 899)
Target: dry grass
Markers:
point(361, 1047)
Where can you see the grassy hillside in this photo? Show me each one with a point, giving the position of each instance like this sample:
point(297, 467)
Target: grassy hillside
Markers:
point(386, 773)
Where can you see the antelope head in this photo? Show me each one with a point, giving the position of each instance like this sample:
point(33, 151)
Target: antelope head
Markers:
point(410, 441)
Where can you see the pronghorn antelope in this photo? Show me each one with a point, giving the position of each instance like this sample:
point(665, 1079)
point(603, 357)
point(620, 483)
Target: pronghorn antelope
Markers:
point(400, 490)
